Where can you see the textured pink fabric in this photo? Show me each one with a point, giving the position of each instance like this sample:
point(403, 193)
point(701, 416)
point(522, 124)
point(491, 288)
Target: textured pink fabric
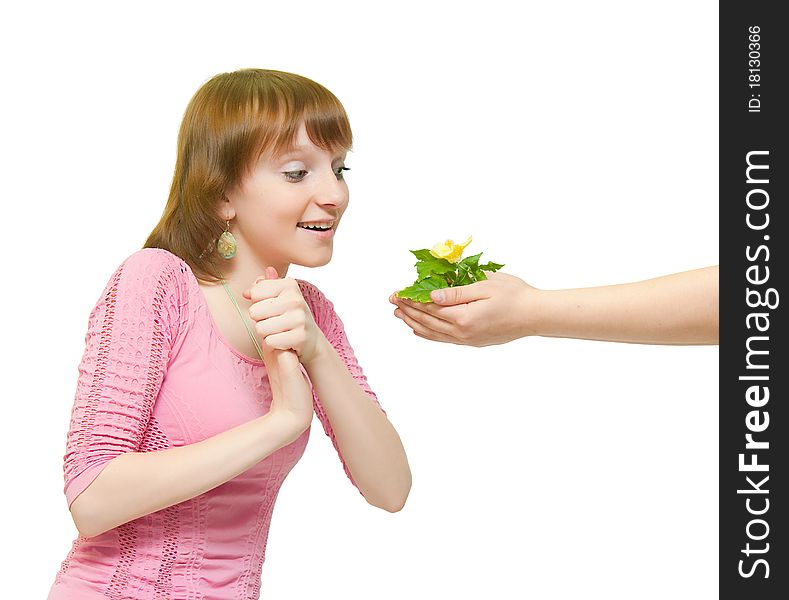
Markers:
point(157, 373)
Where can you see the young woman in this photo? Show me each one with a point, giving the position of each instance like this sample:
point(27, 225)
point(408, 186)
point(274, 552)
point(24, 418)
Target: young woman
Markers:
point(203, 362)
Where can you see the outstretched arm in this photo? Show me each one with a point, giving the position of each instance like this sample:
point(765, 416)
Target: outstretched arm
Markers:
point(674, 309)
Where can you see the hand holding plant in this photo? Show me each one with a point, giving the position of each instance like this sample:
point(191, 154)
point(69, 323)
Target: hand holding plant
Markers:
point(441, 267)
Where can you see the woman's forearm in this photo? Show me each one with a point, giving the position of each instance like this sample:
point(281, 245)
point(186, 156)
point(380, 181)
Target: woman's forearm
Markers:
point(369, 443)
point(675, 309)
point(135, 484)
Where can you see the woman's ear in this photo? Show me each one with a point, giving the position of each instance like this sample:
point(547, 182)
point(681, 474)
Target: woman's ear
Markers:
point(226, 210)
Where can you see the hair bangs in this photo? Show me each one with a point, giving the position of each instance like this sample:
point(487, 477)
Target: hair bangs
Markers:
point(276, 113)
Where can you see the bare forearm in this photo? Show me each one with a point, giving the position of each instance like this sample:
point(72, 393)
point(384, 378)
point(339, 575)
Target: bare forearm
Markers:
point(369, 443)
point(139, 483)
point(675, 309)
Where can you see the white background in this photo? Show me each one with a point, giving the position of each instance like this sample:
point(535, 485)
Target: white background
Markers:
point(576, 141)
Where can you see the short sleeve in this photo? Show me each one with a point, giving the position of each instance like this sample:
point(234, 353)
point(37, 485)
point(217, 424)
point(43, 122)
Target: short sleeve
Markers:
point(331, 325)
point(131, 331)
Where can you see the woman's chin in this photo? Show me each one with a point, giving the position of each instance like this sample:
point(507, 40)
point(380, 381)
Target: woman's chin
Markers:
point(315, 260)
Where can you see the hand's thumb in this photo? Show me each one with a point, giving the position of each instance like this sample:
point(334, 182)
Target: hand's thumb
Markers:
point(456, 295)
point(269, 273)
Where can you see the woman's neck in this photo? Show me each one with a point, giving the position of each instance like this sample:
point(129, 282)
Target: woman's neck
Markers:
point(240, 272)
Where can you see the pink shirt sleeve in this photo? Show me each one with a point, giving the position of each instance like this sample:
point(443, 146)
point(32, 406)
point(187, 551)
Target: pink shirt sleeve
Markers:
point(329, 323)
point(130, 334)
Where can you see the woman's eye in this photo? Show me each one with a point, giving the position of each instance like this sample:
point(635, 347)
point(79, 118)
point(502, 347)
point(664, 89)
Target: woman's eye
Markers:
point(295, 175)
point(298, 175)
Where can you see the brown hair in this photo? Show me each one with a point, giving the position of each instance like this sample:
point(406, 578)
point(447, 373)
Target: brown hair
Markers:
point(231, 120)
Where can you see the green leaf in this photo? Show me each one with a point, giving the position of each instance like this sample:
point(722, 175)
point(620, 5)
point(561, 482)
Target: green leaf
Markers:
point(471, 261)
point(420, 291)
point(437, 266)
point(423, 254)
point(491, 266)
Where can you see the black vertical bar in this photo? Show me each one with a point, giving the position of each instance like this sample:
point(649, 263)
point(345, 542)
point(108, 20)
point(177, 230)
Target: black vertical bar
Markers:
point(753, 553)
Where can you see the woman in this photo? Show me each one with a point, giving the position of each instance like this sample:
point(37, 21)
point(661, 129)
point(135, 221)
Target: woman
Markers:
point(203, 363)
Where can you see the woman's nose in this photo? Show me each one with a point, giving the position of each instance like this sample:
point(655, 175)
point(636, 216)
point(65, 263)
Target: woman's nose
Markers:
point(332, 191)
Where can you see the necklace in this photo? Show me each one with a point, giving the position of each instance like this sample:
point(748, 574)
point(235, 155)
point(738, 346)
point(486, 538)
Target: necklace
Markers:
point(243, 320)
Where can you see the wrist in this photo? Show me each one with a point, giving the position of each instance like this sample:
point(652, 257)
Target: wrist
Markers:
point(562, 313)
point(534, 312)
point(322, 346)
point(285, 426)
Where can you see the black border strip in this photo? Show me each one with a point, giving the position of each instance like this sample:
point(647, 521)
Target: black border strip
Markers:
point(753, 553)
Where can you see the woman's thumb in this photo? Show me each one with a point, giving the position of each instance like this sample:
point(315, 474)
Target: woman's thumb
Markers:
point(269, 273)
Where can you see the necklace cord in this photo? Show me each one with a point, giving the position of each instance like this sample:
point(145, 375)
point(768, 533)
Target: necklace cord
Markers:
point(243, 320)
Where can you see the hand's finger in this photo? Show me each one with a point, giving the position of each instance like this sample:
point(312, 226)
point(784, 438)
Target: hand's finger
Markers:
point(265, 309)
point(437, 338)
point(269, 288)
point(269, 273)
point(280, 341)
point(278, 324)
point(459, 294)
point(445, 313)
point(423, 331)
point(427, 320)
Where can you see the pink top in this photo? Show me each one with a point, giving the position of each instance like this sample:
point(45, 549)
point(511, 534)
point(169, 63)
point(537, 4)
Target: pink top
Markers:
point(157, 373)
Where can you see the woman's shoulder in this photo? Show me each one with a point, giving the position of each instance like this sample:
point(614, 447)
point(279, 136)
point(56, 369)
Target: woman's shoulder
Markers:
point(154, 261)
point(150, 276)
point(149, 281)
point(311, 290)
point(314, 296)
point(322, 308)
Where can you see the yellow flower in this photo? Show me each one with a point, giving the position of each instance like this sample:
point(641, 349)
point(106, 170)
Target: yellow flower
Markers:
point(450, 250)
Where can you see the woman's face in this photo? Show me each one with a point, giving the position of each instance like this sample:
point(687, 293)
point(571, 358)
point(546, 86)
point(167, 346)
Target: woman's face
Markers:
point(283, 194)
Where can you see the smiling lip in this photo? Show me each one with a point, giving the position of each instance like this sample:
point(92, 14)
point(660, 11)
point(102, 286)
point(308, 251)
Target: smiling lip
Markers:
point(328, 234)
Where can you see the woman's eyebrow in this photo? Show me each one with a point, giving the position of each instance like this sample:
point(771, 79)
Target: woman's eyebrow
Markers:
point(296, 150)
point(307, 150)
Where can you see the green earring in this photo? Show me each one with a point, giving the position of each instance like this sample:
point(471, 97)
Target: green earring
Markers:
point(226, 244)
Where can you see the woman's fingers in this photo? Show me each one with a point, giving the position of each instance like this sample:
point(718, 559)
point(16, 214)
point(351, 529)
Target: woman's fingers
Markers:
point(280, 341)
point(278, 324)
point(265, 309)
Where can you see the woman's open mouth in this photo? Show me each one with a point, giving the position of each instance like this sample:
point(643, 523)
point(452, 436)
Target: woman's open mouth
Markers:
point(324, 230)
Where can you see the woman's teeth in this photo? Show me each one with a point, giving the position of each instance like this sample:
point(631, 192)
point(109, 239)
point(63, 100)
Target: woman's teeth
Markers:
point(322, 227)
